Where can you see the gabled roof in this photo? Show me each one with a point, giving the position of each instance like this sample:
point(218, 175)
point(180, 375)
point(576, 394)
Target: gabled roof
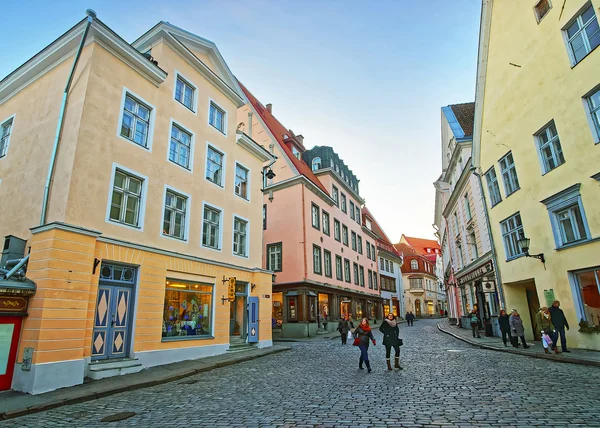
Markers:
point(375, 226)
point(279, 132)
point(465, 115)
point(405, 249)
point(420, 244)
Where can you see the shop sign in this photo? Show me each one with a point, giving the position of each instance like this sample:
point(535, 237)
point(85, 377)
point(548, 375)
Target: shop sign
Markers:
point(477, 273)
point(13, 304)
point(549, 297)
point(231, 289)
point(17, 291)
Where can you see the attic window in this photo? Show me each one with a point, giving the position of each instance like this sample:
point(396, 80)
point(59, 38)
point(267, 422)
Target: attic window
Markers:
point(295, 152)
point(541, 9)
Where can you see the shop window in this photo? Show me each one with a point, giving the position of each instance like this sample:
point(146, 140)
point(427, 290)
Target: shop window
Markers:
point(324, 306)
point(277, 310)
point(292, 308)
point(312, 308)
point(188, 310)
point(588, 284)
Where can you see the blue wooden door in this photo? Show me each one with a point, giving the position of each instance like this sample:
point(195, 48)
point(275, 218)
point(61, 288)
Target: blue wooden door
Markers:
point(252, 319)
point(102, 322)
point(111, 323)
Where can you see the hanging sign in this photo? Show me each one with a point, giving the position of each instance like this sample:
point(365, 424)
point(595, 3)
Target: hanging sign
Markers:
point(549, 296)
point(231, 293)
point(476, 273)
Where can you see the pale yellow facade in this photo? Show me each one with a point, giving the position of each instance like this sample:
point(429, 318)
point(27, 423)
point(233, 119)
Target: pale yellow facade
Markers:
point(528, 78)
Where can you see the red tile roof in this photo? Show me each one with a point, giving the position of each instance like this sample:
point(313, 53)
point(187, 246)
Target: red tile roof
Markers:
point(420, 244)
point(377, 230)
point(465, 114)
point(278, 130)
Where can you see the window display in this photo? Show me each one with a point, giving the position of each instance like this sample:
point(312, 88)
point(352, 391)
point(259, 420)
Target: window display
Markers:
point(589, 292)
point(188, 309)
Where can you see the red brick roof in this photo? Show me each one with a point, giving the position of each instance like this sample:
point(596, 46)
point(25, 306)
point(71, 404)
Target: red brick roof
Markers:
point(465, 114)
point(278, 131)
point(420, 244)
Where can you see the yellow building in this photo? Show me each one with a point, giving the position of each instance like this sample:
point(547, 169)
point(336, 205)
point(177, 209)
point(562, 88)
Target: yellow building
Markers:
point(536, 146)
point(154, 202)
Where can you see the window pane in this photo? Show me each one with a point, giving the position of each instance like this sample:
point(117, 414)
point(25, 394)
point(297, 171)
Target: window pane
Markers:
point(115, 213)
point(587, 14)
point(127, 125)
point(187, 313)
point(590, 297)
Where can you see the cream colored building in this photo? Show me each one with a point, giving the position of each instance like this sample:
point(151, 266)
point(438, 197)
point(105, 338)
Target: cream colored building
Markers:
point(536, 142)
point(154, 203)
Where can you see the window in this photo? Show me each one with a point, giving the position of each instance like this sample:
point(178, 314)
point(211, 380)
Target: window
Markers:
point(375, 287)
point(387, 265)
point(549, 148)
point(392, 267)
point(352, 212)
point(414, 264)
point(460, 255)
point(353, 239)
point(344, 209)
point(588, 286)
point(369, 274)
point(356, 280)
point(509, 174)
point(5, 136)
point(493, 188)
point(317, 265)
point(335, 195)
point(295, 152)
point(359, 244)
point(211, 228)
point(326, 223)
point(512, 231)
point(214, 166)
point(594, 108)
point(368, 250)
point(264, 216)
point(473, 242)
point(217, 117)
point(327, 260)
point(541, 9)
point(456, 226)
point(274, 257)
point(135, 121)
point(336, 230)
point(241, 181)
point(583, 34)
point(373, 257)
point(126, 199)
point(357, 215)
point(368, 223)
point(467, 208)
point(338, 268)
point(174, 221)
point(347, 270)
point(240, 228)
point(180, 146)
point(316, 164)
point(185, 93)
point(416, 283)
point(345, 235)
point(292, 313)
point(362, 276)
point(188, 311)
point(567, 217)
point(381, 265)
point(316, 217)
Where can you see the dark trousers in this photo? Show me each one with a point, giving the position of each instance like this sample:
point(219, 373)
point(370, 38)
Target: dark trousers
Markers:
point(506, 334)
point(563, 337)
point(515, 341)
point(344, 337)
point(388, 351)
point(475, 329)
point(364, 354)
point(409, 322)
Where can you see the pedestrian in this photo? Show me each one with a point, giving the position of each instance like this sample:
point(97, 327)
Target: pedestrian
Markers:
point(343, 328)
point(351, 320)
point(410, 318)
point(544, 322)
point(475, 324)
point(516, 326)
point(503, 321)
point(390, 330)
point(362, 335)
point(559, 321)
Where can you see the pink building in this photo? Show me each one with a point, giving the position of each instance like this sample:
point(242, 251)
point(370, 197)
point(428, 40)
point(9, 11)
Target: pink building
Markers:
point(323, 257)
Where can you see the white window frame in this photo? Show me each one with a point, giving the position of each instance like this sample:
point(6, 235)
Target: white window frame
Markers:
point(335, 195)
point(553, 149)
point(247, 249)
point(357, 215)
point(565, 200)
point(493, 187)
point(225, 117)
point(593, 114)
point(144, 195)
point(353, 240)
point(343, 203)
point(194, 108)
point(221, 226)
point(241, 165)
point(319, 252)
point(339, 273)
point(316, 164)
point(474, 250)
point(10, 119)
point(468, 212)
point(152, 120)
point(414, 264)
point(188, 205)
point(323, 214)
point(519, 231)
point(337, 236)
point(359, 243)
point(212, 146)
point(352, 212)
point(173, 122)
point(316, 217)
point(275, 246)
point(326, 265)
point(345, 237)
point(586, 42)
point(511, 171)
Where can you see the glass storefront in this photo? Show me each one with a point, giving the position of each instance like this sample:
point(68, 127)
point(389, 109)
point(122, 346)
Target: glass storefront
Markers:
point(589, 295)
point(187, 309)
point(324, 306)
point(277, 310)
point(345, 307)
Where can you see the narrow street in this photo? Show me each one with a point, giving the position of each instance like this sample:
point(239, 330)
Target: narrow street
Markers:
point(444, 383)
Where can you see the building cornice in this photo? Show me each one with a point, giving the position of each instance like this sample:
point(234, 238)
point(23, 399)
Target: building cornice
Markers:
point(456, 153)
point(480, 261)
point(300, 179)
point(65, 227)
point(341, 290)
point(253, 147)
point(460, 184)
point(340, 181)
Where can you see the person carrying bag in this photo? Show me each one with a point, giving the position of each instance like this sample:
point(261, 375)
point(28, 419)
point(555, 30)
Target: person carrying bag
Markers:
point(362, 336)
point(390, 330)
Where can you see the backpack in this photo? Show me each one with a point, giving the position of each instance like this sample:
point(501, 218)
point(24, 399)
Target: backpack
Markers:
point(474, 319)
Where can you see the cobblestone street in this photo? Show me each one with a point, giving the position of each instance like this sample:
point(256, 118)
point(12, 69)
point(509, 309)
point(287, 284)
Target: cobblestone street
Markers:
point(444, 383)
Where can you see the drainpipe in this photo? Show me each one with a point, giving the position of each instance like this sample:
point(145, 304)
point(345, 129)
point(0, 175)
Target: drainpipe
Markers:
point(489, 229)
point(90, 17)
point(17, 267)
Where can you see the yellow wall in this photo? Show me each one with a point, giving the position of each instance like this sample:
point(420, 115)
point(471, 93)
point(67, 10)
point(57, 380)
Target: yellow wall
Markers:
point(518, 102)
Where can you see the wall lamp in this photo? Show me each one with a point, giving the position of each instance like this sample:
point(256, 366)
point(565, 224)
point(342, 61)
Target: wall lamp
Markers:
point(524, 246)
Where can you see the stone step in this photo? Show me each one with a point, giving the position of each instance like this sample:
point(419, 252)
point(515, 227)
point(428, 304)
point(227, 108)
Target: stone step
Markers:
point(100, 370)
point(113, 363)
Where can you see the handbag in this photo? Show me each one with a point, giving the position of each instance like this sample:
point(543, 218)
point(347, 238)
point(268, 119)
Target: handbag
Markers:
point(400, 342)
point(350, 335)
point(356, 342)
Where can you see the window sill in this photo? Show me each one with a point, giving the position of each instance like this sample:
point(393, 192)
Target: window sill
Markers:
point(174, 238)
point(580, 61)
point(214, 127)
point(124, 224)
point(220, 186)
point(510, 259)
point(553, 169)
point(242, 197)
point(184, 338)
point(577, 244)
point(513, 192)
point(496, 204)
point(211, 248)
point(186, 107)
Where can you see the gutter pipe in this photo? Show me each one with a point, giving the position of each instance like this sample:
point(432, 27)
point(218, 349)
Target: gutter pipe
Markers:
point(17, 267)
point(90, 17)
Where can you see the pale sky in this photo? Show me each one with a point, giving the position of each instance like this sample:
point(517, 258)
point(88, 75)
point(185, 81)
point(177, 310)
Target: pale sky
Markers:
point(367, 78)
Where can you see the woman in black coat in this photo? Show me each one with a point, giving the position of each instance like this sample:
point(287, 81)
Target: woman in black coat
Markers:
point(503, 321)
point(390, 330)
point(343, 328)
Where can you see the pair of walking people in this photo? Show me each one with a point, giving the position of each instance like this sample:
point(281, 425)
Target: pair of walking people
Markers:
point(363, 335)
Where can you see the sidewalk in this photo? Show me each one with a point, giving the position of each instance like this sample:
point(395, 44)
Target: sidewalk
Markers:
point(536, 350)
point(14, 404)
point(329, 336)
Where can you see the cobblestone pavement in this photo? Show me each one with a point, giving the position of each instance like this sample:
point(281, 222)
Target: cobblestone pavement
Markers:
point(444, 383)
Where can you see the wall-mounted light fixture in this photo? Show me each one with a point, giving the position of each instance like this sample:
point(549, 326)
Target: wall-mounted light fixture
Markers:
point(524, 246)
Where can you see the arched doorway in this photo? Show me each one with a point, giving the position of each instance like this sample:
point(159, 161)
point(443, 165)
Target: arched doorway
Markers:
point(418, 307)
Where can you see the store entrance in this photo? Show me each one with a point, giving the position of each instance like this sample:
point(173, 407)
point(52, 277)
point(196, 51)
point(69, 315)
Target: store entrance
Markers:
point(238, 313)
point(10, 330)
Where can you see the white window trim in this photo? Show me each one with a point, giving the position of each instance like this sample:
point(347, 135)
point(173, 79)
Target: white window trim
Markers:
point(188, 206)
point(247, 256)
point(12, 128)
point(576, 15)
point(559, 202)
point(595, 129)
point(150, 125)
point(142, 213)
point(221, 226)
point(538, 146)
point(192, 145)
point(194, 109)
point(226, 118)
point(248, 184)
point(224, 174)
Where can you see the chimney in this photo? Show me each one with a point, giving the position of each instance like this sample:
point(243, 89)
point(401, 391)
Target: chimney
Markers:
point(300, 138)
point(250, 124)
point(270, 108)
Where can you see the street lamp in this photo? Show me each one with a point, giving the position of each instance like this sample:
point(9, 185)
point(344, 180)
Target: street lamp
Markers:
point(524, 247)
